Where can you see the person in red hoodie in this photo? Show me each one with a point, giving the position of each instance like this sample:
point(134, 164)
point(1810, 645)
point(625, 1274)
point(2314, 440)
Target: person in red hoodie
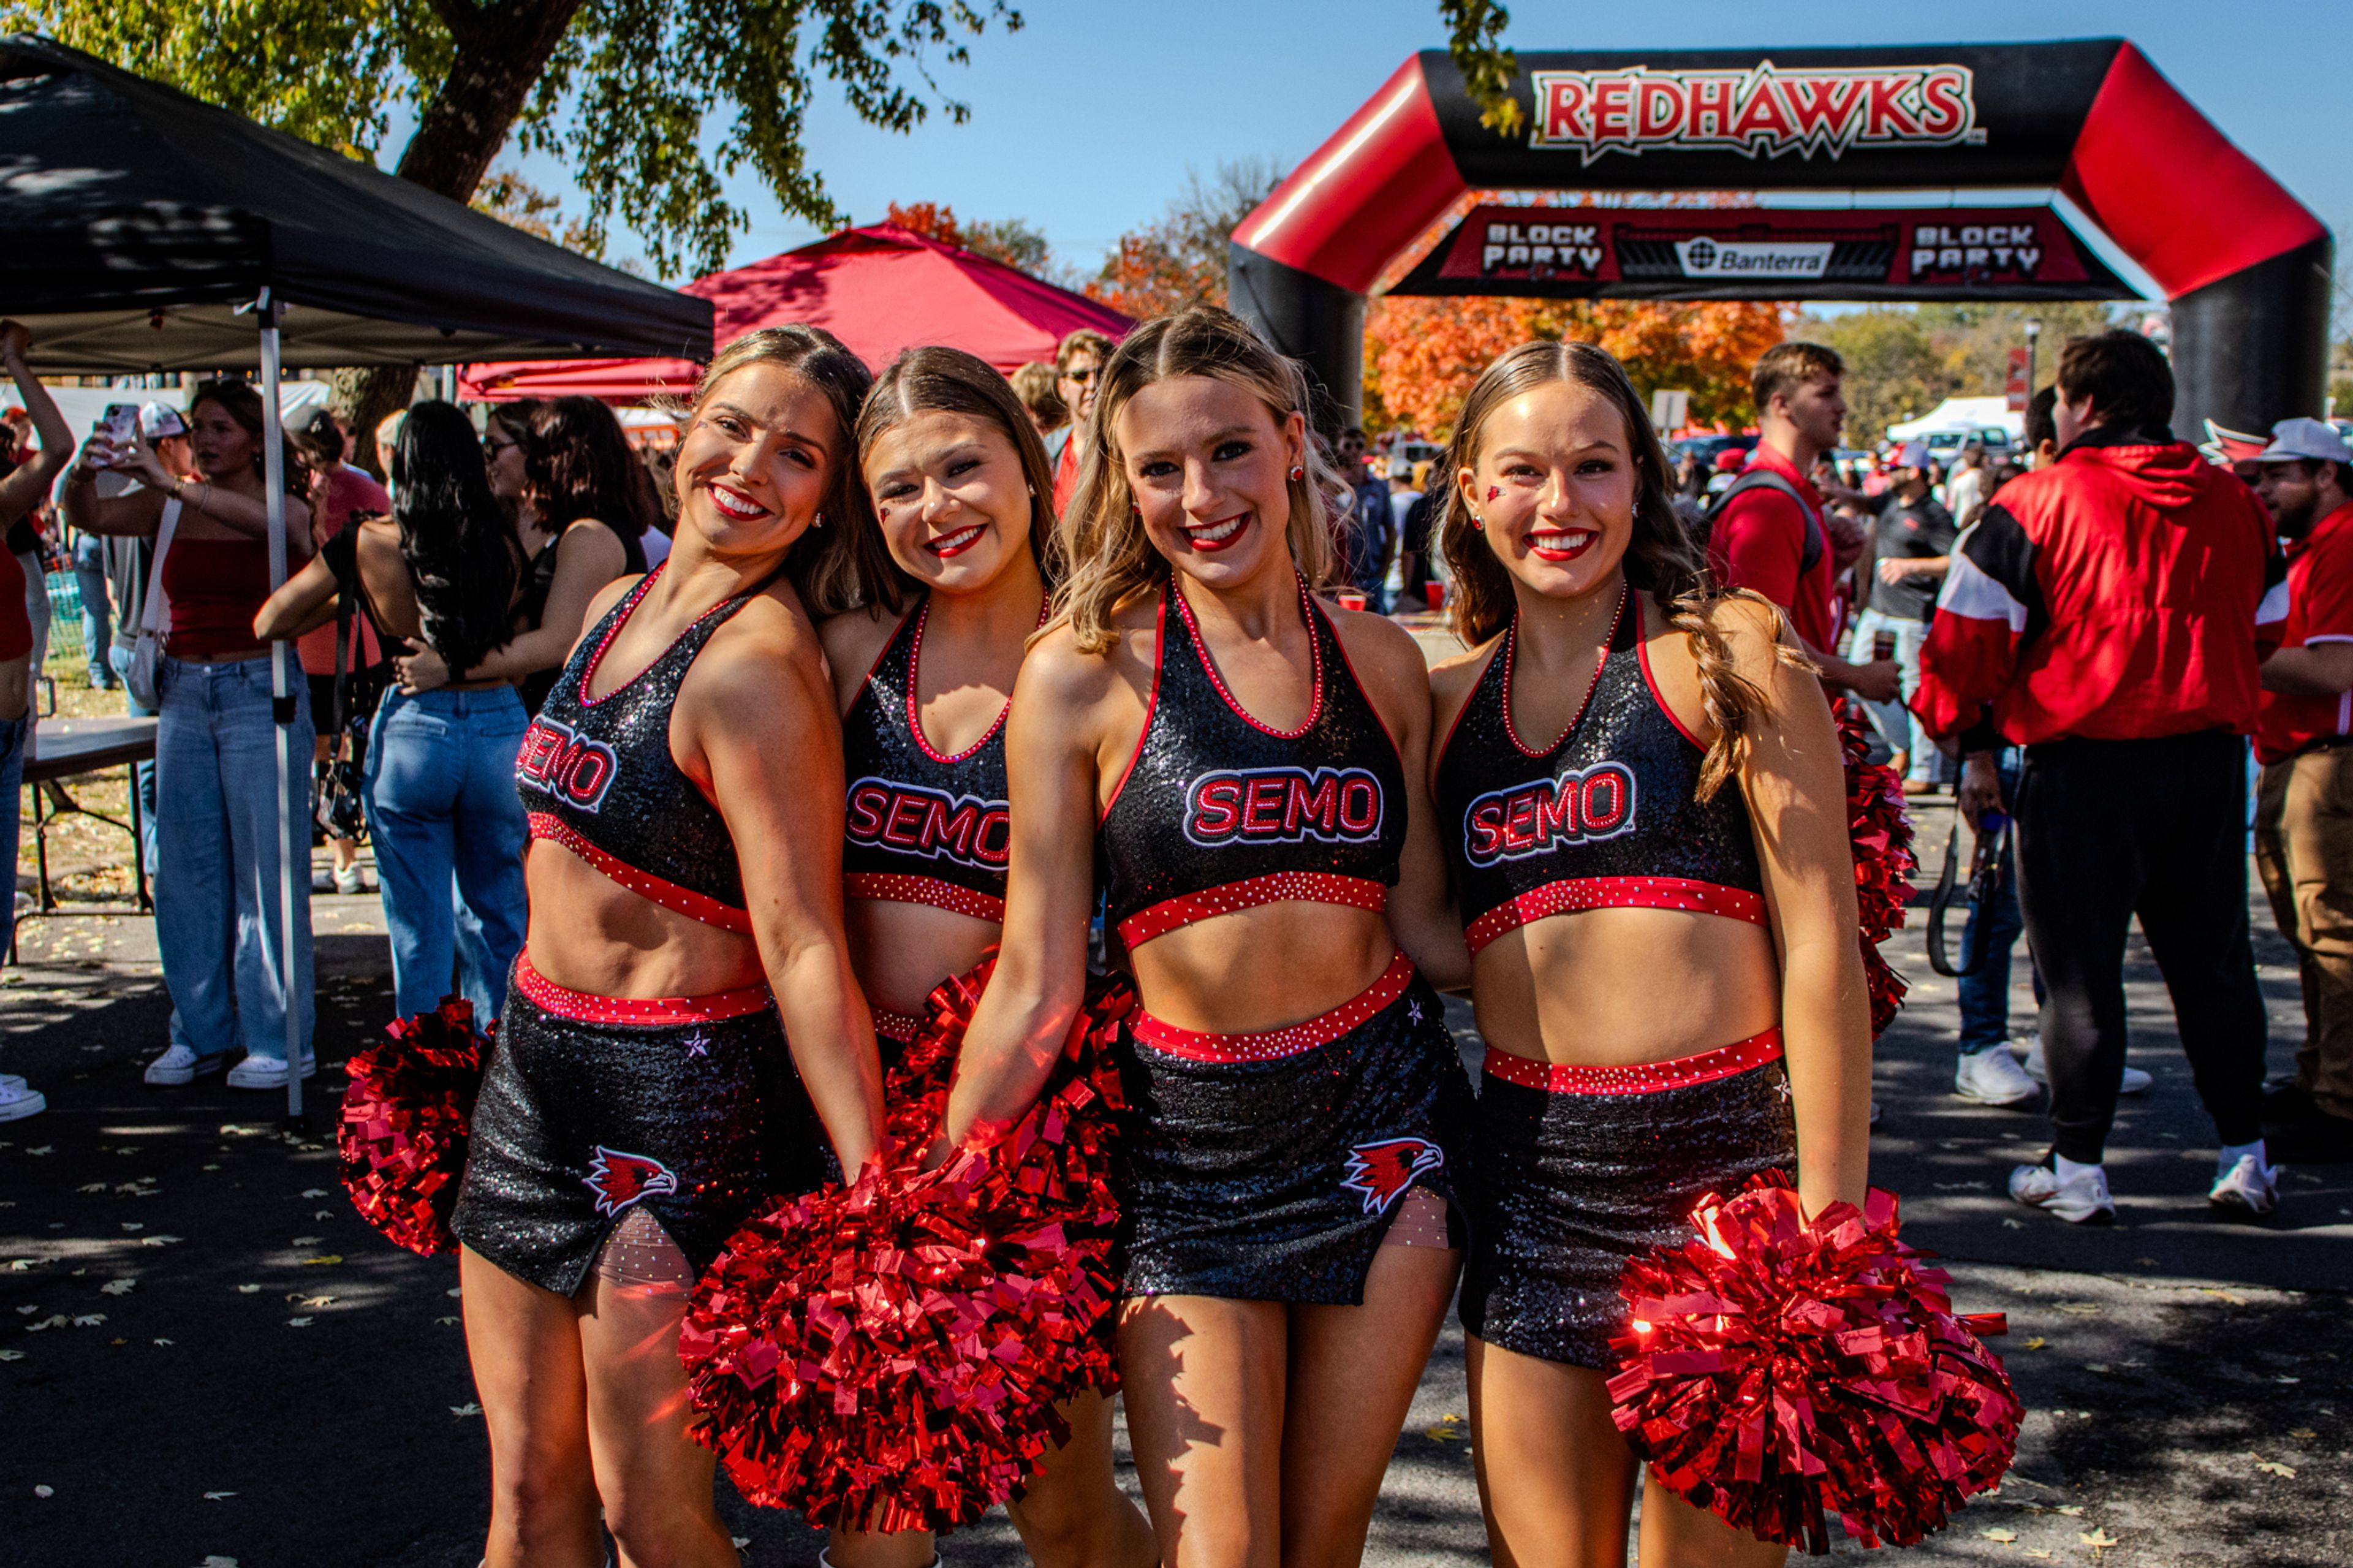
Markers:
point(2101, 614)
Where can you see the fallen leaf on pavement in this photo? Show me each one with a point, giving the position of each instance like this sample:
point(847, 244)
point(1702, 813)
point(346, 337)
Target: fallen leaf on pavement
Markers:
point(298, 1323)
point(2288, 1380)
point(26, 1311)
point(2273, 1467)
point(92, 1187)
point(2037, 1343)
point(2097, 1538)
point(306, 1241)
point(2072, 1509)
point(247, 1289)
point(2304, 1434)
point(45, 1491)
point(2095, 1366)
point(216, 1496)
point(318, 1300)
point(116, 1286)
point(118, 1342)
point(2031, 1552)
point(314, 1192)
point(164, 1341)
point(2013, 1224)
point(54, 1320)
point(44, 1149)
point(158, 1240)
point(323, 1258)
point(2233, 1297)
point(89, 1320)
point(132, 1225)
point(2080, 1309)
point(2004, 1536)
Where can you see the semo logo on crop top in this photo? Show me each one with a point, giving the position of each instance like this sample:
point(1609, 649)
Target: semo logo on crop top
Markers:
point(1543, 814)
point(1282, 805)
point(918, 821)
point(571, 767)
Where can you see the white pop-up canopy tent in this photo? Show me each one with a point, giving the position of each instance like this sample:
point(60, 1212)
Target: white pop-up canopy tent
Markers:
point(151, 232)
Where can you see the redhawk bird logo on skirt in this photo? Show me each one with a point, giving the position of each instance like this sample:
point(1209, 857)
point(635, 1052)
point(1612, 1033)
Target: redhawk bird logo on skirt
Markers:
point(619, 1180)
point(1383, 1171)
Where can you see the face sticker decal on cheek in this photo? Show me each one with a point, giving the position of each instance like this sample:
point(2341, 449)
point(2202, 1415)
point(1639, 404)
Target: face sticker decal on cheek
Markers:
point(1495, 491)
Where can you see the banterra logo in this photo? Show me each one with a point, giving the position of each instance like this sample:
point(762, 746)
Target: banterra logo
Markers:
point(1762, 113)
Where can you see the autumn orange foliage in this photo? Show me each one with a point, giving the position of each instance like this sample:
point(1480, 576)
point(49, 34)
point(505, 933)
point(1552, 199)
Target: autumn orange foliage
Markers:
point(1421, 355)
point(933, 220)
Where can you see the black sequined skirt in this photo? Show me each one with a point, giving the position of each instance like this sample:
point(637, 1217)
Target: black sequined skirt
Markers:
point(1266, 1167)
point(592, 1106)
point(1581, 1168)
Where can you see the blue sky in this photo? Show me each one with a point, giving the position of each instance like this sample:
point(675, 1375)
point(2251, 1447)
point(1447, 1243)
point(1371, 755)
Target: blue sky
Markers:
point(1085, 121)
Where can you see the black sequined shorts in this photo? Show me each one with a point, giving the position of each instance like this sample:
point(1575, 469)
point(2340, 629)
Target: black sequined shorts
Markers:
point(1267, 1166)
point(1582, 1168)
point(592, 1106)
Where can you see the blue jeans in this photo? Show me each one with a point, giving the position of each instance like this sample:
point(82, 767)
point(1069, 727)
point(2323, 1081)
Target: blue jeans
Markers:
point(217, 838)
point(14, 733)
point(97, 612)
point(1895, 723)
point(449, 835)
point(142, 773)
point(1985, 994)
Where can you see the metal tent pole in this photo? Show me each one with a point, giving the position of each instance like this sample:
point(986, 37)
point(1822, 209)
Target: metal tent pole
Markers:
point(281, 699)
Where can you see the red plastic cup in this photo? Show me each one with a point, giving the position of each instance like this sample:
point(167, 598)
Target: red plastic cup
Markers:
point(1436, 593)
point(1351, 598)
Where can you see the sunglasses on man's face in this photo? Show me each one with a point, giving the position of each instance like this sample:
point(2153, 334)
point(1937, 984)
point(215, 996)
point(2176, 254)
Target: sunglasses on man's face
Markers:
point(492, 446)
point(1080, 377)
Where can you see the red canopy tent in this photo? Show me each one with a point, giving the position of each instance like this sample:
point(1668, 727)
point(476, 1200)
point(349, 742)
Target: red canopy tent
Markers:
point(878, 289)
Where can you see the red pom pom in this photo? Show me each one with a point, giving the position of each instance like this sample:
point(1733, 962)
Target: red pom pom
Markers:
point(1881, 832)
point(402, 1139)
point(1777, 1369)
point(889, 1355)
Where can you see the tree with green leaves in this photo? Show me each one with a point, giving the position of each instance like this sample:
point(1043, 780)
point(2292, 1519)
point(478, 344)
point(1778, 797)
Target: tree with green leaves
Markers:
point(626, 93)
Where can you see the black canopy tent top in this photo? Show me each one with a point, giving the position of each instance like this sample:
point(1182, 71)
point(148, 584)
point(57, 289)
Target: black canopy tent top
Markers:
point(151, 232)
point(143, 225)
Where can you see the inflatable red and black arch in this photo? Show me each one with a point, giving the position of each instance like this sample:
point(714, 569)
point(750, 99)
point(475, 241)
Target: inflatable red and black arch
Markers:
point(2244, 265)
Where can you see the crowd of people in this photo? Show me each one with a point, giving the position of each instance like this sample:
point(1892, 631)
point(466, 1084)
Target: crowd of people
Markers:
point(701, 781)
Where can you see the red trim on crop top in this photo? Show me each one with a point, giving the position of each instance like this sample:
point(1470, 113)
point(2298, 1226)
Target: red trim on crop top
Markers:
point(1573, 894)
point(1642, 1077)
point(1151, 706)
point(1217, 680)
point(654, 1012)
point(914, 681)
point(1309, 887)
point(1270, 1044)
point(898, 888)
point(696, 906)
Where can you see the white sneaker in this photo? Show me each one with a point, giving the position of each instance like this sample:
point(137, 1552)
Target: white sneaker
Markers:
point(266, 1072)
point(16, 1102)
point(2242, 1180)
point(1993, 1077)
point(180, 1065)
point(351, 881)
point(2135, 1080)
point(2080, 1196)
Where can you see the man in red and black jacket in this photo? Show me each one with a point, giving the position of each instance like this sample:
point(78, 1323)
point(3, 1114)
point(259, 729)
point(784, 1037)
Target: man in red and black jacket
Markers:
point(2101, 614)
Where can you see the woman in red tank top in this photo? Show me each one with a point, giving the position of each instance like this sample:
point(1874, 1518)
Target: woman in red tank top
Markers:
point(218, 836)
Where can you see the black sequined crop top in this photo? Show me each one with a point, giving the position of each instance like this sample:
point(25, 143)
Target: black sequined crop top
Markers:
point(596, 776)
point(923, 828)
point(1218, 813)
point(1607, 817)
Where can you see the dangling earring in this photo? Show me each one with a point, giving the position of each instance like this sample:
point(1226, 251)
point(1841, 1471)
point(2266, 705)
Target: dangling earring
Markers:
point(1298, 472)
point(818, 521)
point(1478, 523)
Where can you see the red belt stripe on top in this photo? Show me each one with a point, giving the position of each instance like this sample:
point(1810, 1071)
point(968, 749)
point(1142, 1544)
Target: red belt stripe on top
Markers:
point(1311, 886)
point(637, 1011)
point(898, 888)
point(645, 884)
point(1270, 1044)
point(1642, 1078)
point(1574, 893)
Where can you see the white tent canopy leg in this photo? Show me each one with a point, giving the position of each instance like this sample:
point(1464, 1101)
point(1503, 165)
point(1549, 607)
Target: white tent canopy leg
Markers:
point(281, 699)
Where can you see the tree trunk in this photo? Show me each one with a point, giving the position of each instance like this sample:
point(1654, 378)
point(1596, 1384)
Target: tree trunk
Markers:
point(501, 51)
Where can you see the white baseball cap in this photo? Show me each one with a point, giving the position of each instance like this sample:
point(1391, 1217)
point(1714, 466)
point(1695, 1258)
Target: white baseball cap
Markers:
point(2306, 440)
point(158, 421)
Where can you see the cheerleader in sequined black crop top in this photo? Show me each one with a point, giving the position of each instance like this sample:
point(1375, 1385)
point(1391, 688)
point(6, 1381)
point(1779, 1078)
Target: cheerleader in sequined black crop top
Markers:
point(1241, 770)
point(964, 500)
point(643, 1100)
point(1666, 964)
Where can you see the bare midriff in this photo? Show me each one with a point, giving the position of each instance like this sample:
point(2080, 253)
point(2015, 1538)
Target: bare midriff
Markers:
point(589, 934)
point(1618, 987)
point(901, 952)
point(1262, 968)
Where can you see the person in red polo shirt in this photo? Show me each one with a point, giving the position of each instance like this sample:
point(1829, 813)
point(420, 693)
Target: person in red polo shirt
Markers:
point(2101, 614)
point(1767, 531)
point(2303, 738)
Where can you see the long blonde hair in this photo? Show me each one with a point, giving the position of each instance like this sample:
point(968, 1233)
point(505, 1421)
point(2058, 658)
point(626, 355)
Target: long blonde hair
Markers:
point(1111, 560)
point(1661, 560)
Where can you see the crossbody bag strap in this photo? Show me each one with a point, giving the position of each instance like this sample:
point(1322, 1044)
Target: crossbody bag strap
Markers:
point(151, 612)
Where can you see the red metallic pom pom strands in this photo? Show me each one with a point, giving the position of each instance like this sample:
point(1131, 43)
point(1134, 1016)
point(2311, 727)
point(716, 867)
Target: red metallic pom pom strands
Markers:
point(1777, 1369)
point(402, 1139)
point(889, 1355)
point(1883, 863)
